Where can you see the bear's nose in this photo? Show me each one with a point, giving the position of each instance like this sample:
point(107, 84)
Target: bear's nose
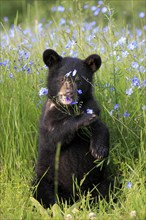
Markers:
point(68, 91)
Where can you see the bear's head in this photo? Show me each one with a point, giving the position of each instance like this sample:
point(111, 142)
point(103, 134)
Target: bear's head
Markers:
point(70, 79)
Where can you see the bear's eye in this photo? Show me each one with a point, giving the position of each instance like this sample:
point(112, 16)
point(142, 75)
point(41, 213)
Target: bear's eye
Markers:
point(61, 79)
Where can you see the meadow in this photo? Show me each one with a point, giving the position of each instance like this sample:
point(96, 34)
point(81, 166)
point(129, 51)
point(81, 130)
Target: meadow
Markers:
point(77, 30)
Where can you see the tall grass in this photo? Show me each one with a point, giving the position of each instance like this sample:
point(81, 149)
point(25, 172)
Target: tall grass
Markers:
point(119, 87)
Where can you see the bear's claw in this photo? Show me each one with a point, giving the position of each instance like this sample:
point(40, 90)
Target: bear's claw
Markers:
point(99, 152)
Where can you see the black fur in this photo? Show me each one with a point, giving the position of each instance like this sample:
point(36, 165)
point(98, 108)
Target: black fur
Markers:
point(65, 119)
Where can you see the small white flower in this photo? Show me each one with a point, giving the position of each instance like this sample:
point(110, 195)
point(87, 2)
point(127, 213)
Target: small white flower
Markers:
point(68, 74)
point(129, 91)
point(89, 111)
point(111, 112)
point(114, 53)
point(133, 214)
point(122, 40)
point(68, 217)
point(74, 72)
point(144, 107)
point(75, 211)
point(91, 215)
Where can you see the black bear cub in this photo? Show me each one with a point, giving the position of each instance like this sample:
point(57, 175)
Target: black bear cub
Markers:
point(71, 135)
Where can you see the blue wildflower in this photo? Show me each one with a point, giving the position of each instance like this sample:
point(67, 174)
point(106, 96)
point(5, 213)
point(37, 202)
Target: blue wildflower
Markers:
point(45, 67)
point(43, 91)
point(132, 46)
point(141, 15)
point(79, 91)
point(24, 67)
point(135, 65)
point(142, 69)
point(96, 12)
point(104, 10)
point(12, 31)
point(116, 106)
point(105, 29)
point(122, 40)
point(112, 89)
point(5, 19)
point(53, 9)
point(23, 54)
point(102, 50)
point(4, 63)
point(129, 91)
point(89, 111)
point(129, 185)
point(74, 103)
point(40, 27)
point(70, 44)
point(118, 58)
point(60, 8)
point(68, 99)
point(30, 62)
point(39, 103)
point(138, 32)
point(11, 75)
point(135, 81)
point(93, 8)
point(26, 31)
point(62, 21)
point(124, 54)
point(144, 82)
point(73, 53)
point(100, 2)
point(86, 6)
point(126, 114)
point(28, 69)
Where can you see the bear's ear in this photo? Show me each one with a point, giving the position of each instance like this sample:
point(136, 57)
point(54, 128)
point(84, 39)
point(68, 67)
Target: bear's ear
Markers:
point(94, 62)
point(50, 57)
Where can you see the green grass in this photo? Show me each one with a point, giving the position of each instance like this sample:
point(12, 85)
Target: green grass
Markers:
point(20, 108)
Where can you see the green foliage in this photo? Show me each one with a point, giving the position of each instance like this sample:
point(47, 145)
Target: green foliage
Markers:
point(119, 87)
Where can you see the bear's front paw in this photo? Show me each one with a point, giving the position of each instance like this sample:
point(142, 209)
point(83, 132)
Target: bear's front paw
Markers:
point(86, 119)
point(99, 152)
